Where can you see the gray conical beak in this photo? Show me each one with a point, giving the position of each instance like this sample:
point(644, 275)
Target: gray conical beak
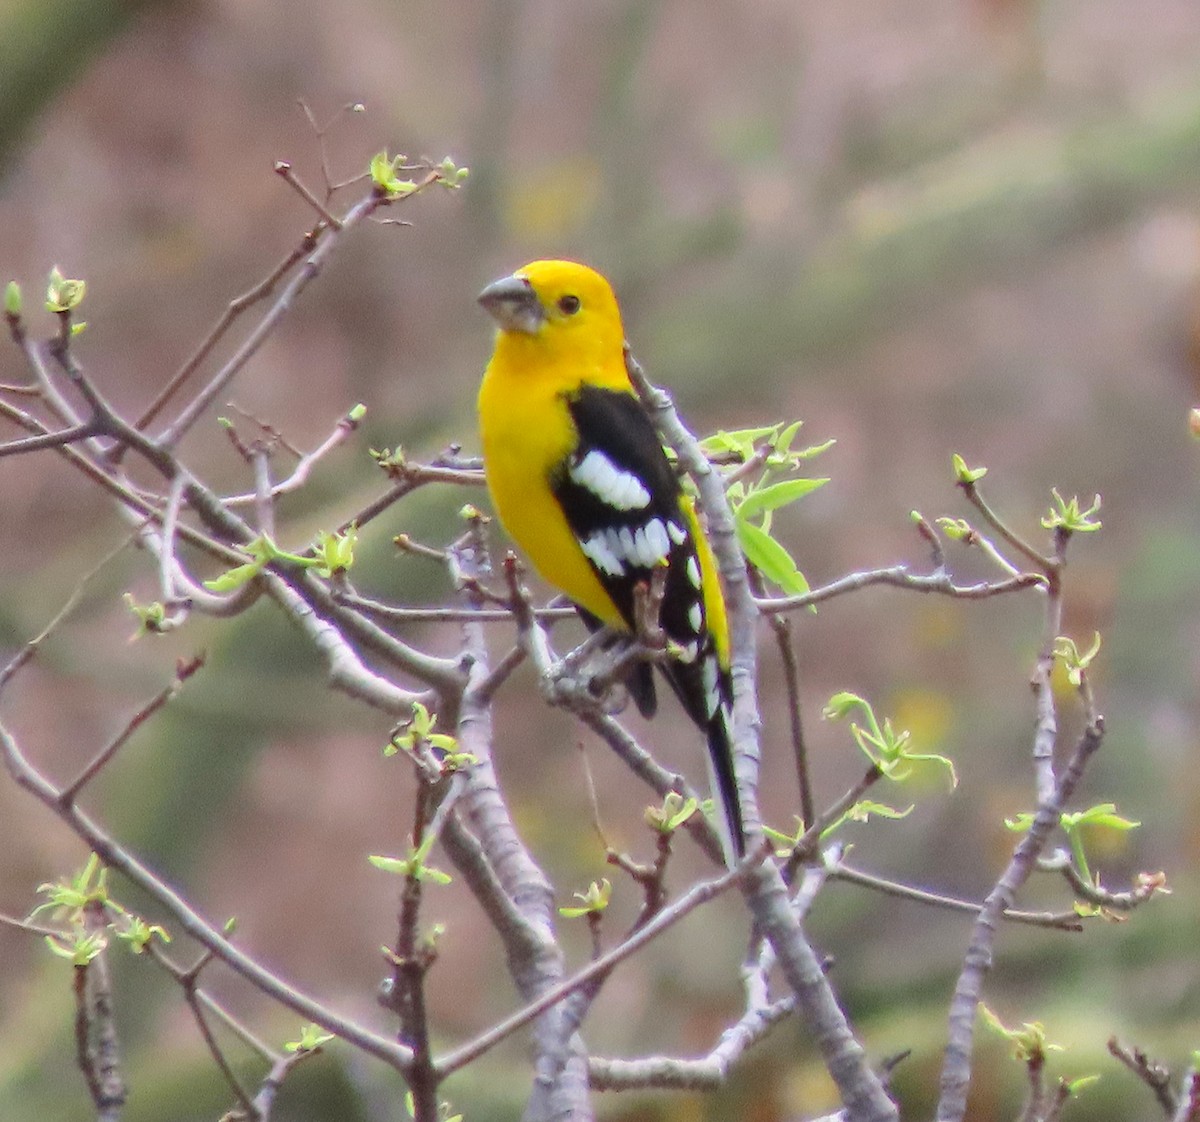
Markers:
point(513, 304)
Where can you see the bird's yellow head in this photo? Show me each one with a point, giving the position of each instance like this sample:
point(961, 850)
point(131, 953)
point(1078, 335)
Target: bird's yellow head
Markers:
point(557, 311)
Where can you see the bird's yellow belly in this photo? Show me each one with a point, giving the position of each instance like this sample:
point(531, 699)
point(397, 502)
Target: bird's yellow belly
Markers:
point(519, 458)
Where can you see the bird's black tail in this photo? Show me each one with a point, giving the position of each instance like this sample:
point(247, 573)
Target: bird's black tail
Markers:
point(706, 691)
point(723, 782)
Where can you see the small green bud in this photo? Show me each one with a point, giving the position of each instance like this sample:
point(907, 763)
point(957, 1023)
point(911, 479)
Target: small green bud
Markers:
point(964, 474)
point(592, 902)
point(12, 299)
point(62, 293)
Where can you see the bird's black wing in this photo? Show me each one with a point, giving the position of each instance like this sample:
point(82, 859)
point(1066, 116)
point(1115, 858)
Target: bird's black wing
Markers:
point(624, 504)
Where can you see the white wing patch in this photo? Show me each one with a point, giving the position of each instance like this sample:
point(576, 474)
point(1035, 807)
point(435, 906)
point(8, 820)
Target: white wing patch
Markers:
point(599, 551)
point(613, 550)
point(620, 489)
point(712, 691)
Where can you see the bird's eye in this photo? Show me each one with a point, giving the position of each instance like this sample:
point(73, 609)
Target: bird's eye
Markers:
point(568, 305)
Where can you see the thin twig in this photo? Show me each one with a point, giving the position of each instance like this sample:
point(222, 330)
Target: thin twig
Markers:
point(183, 672)
point(807, 844)
point(309, 268)
point(28, 444)
point(1061, 921)
point(1156, 1076)
point(898, 576)
point(215, 1050)
point(284, 170)
point(976, 499)
point(301, 473)
point(233, 309)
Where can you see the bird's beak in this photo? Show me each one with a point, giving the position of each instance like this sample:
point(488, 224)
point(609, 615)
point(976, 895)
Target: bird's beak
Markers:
point(513, 304)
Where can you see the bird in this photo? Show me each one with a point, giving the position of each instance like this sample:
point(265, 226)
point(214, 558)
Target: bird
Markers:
point(579, 479)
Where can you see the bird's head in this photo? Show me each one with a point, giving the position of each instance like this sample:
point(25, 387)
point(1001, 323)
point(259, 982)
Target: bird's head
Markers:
point(562, 303)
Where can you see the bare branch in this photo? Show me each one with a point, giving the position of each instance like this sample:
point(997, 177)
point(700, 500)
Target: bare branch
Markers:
point(668, 917)
point(898, 576)
point(502, 862)
point(1155, 1075)
point(859, 1086)
point(303, 470)
point(1147, 885)
point(956, 1069)
point(284, 170)
point(1189, 1098)
point(183, 672)
point(234, 309)
point(1062, 921)
point(97, 1043)
point(72, 435)
point(310, 266)
point(1002, 528)
point(782, 627)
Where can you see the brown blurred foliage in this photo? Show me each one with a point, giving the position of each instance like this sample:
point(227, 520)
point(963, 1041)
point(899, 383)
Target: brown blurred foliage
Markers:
point(942, 226)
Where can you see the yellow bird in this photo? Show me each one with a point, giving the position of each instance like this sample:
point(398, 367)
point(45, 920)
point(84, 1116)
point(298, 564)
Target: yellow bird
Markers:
point(578, 477)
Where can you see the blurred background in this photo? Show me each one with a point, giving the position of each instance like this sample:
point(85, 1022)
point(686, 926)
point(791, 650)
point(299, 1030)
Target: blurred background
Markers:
point(946, 226)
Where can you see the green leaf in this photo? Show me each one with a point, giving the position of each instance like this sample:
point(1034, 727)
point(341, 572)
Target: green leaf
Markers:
point(1029, 1041)
point(412, 866)
point(864, 811)
point(81, 950)
point(812, 450)
point(70, 896)
point(452, 176)
point(1069, 517)
point(311, 1038)
point(673, 813)
point(1020, 823)
point(335, 552)
point(776, 495)
point(886, 747)
point(262, 551)
point(738, 441)
point(235, 578)
point(1075, 663)
point(594, 901)
point(770, 558)
point(151, 617)
point(842, 704)
point(138, 934)
point(398, 865)
point(1102, 814)
point(12, 299)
